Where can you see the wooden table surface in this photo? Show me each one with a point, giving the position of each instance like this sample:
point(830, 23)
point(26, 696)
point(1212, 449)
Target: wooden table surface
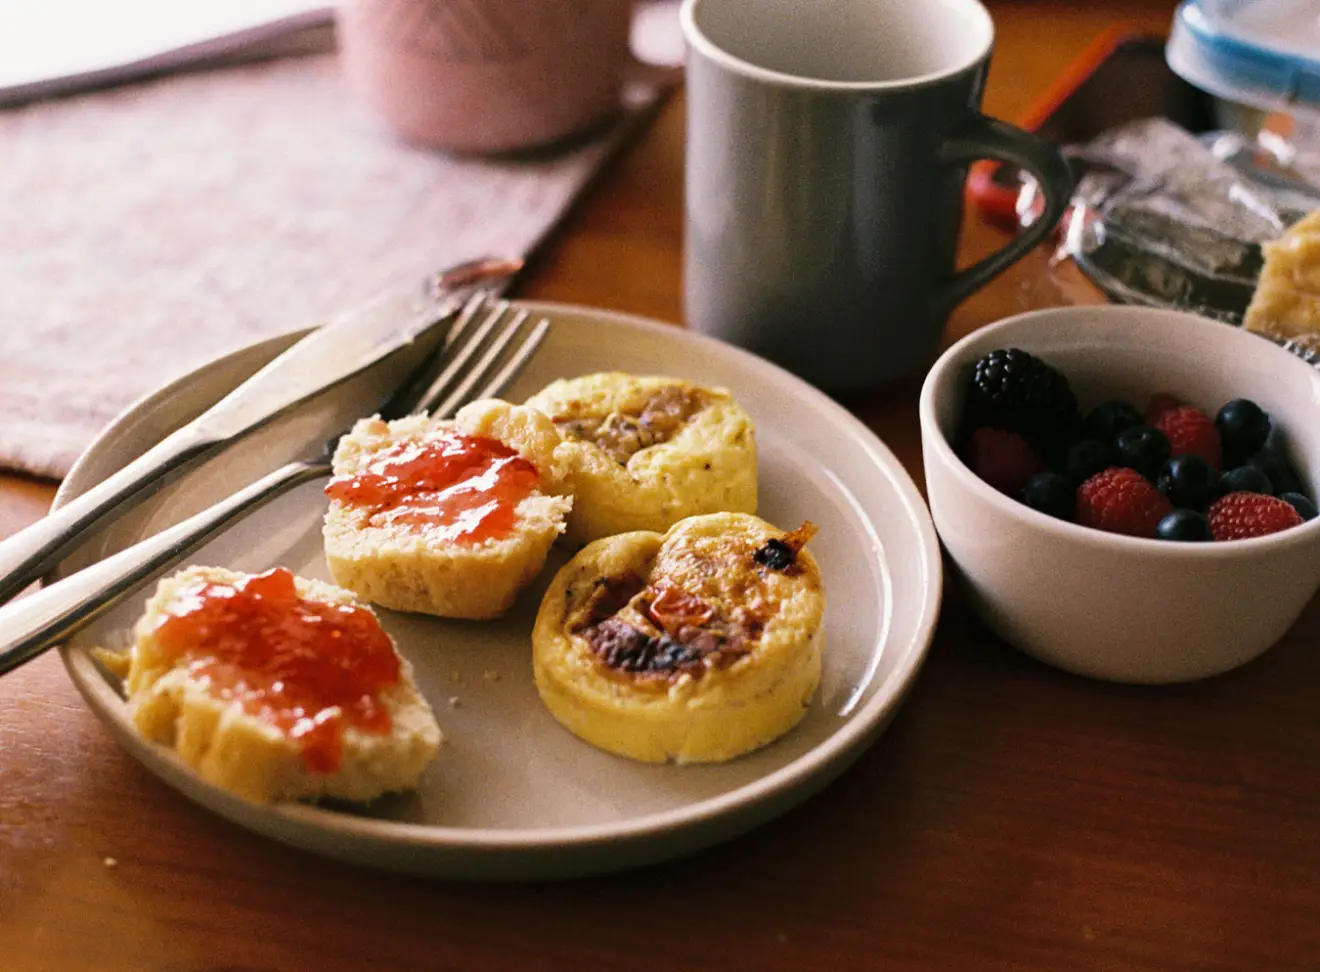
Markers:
point(1012, 817)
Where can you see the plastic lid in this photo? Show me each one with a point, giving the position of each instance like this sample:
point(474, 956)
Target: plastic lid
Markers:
point(1263, 53)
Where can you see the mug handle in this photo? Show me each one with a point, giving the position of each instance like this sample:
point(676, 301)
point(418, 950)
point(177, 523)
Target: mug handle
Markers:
point(979, 138)
point(645, 73)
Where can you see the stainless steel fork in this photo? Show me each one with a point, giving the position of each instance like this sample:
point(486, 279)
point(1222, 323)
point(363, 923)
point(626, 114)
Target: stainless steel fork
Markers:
point(487, 348)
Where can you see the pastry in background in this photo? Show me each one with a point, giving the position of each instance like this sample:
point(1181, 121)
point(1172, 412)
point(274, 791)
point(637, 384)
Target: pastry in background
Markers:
point(645, 452)
point(445, 518)
point(1286, 304)
point(692, 646)
point(275, 687)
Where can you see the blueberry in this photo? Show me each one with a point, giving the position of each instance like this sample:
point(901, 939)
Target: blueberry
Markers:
point(1245, 479)
point(1277, 470)
point(1299, 502)
point(1052, 493)
point(1186, 525)
point(1188, 481)
point(1086, 458)
point(1142, 448)
point(1243, 426)
point(1108, 419)
point(1273, 462)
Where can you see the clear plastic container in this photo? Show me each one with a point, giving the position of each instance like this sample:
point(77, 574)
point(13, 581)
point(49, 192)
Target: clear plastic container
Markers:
point(1259, 58)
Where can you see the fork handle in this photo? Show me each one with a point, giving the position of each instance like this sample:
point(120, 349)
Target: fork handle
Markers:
point(32, 624)
point(29, 554)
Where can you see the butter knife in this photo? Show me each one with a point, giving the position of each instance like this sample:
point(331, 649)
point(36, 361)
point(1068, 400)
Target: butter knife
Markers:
point(329, 355)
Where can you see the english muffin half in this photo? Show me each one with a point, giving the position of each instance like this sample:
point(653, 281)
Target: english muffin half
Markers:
point(692, 646)
point(445, 518)
point(275, 687)
point(646, 452)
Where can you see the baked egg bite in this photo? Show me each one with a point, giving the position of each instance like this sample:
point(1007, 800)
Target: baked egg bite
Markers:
point(275, 687)
point(646, 452)
point(692, 646)
point(445, 518)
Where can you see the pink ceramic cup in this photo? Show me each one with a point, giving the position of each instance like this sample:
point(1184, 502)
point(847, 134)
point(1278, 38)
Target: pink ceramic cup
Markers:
point(484, 76)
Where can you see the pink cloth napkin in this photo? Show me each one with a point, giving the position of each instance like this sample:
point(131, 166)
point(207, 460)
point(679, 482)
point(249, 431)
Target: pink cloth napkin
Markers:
point(145, 229)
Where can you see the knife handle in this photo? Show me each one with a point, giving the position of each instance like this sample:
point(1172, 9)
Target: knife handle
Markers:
point(46, 617)
point(29, 554)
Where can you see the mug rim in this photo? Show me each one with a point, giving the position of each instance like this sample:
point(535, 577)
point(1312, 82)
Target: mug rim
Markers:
point(698, 41)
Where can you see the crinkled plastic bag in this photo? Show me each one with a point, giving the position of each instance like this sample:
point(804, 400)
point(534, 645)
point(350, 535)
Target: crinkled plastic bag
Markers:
point(1168, 219)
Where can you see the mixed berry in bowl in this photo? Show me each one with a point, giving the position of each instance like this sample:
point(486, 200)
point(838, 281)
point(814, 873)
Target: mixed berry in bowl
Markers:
point(1161, 468)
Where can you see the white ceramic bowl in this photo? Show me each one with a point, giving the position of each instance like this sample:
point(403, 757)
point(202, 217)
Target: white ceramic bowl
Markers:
point(1108, 606)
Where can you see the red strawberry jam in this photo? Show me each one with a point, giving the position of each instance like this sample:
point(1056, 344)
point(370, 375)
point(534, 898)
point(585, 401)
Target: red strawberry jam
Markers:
point(308, 668)
point(462, 488)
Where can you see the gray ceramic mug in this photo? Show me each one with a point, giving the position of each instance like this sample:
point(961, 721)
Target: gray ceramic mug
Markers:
point(827, 146)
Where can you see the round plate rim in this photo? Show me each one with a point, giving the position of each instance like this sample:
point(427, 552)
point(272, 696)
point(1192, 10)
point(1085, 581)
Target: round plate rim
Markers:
point(817, 765)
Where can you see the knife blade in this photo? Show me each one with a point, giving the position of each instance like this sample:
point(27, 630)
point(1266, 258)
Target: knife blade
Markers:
point(329, 355)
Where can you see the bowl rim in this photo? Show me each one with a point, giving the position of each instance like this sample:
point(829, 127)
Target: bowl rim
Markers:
point(933, 438)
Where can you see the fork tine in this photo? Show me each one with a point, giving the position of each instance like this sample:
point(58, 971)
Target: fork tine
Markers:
point(465, 318)
point(424, 378)
point(458, 354)
point(481, 373)
point(479, 360)
point(517, 361)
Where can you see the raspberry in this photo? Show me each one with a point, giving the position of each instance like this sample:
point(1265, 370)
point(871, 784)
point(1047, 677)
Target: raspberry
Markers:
point(1239, 516)
point(1003, 459)
point(1121, 500)
point(1158, 404)
point(1190, 433)
point(1013, 390)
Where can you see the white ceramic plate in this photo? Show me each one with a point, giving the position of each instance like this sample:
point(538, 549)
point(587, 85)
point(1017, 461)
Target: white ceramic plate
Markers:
point(513, 795)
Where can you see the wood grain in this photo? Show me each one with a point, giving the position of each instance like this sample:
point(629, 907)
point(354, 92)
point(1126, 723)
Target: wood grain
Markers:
point(1012, 818)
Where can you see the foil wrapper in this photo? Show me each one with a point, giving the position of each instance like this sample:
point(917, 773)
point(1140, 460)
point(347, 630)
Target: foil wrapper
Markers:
point(1168, 219)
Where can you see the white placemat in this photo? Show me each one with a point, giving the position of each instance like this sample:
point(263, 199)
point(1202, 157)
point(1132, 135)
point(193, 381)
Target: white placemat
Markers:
point(58, 46)
point(147, 228)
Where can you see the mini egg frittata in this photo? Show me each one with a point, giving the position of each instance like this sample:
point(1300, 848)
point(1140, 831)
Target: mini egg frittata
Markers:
point(692, 646)
point(646, 452)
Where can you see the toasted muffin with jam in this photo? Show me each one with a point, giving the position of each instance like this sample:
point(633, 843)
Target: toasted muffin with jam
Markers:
point(275, 687)
point(451, 518)
point(646, 452)
point(692, 646)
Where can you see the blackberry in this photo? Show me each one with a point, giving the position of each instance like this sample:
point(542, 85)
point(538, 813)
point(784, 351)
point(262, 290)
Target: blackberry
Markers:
point(1011, 389)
